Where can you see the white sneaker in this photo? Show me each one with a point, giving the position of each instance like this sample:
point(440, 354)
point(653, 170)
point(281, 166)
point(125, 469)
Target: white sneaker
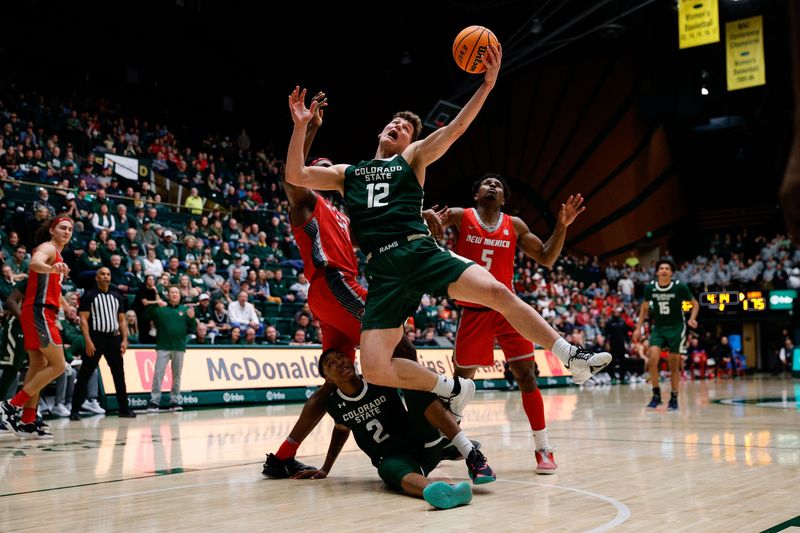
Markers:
point(583, 364)
point(459, 402)
point(93, 407)
point(60, 410)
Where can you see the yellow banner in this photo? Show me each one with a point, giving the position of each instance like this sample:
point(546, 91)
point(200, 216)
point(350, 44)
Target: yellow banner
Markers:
point(744, 48)
point(207, 369)
point(698, 22)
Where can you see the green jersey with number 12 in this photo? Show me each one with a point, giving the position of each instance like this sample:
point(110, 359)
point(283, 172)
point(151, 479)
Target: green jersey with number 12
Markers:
point(384, 202)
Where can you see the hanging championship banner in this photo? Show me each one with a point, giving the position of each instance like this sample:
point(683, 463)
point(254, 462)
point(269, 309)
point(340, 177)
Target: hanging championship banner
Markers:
point(698, 22)
point(744, 48)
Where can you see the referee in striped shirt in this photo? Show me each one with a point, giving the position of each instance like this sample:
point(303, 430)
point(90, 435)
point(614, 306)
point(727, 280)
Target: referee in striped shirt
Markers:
point(105, 330)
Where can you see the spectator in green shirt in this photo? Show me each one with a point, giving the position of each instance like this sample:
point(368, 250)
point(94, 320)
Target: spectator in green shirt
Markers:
point(278, 287)
point(173, 323)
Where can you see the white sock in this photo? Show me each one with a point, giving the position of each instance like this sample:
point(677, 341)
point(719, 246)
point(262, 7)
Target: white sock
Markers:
point(463, 444)
point(540, 441)
point(562, 349)
point(444, 386)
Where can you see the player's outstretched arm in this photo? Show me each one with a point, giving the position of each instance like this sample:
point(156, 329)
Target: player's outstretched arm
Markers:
point(297, 173)
point(547, 253)
point(424, 152)
point(435, 219)
point(451, 216)
point(302, 196)
point(338, 438)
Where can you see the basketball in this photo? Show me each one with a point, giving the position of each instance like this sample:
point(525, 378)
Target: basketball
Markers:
point(470, 47)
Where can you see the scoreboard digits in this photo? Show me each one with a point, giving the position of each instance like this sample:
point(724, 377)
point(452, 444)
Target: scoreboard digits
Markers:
point(720, 301)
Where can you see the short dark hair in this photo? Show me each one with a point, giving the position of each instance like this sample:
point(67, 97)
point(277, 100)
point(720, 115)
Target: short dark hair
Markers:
point(321, 362)
point(666, 261)
point(415, 121)
point(492, 175)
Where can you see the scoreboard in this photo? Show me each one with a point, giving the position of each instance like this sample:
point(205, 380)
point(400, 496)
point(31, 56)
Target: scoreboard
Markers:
point(751, 301)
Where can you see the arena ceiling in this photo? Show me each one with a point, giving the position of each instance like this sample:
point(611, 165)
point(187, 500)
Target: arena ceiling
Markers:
point(593, 96)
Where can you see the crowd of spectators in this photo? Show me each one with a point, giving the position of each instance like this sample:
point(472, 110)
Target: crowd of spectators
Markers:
point(229, 248)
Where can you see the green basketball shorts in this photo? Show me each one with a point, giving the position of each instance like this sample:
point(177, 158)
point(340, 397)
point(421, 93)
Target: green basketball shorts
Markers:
point(671, 338)
point(400, 275)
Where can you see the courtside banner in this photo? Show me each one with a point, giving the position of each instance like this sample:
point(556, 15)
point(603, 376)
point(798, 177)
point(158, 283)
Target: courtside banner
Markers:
point(238, 367)
point(698, 22)
point(744, 50)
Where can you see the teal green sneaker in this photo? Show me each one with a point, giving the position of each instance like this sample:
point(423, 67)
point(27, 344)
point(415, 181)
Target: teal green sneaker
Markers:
point(446, 496)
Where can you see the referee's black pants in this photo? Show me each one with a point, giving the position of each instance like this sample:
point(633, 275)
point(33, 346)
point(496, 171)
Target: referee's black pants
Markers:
point(110, 346)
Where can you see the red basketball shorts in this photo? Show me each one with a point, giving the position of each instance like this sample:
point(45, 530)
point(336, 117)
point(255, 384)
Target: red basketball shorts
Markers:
point(39, 327)
point(476, 335)
point(338, 303)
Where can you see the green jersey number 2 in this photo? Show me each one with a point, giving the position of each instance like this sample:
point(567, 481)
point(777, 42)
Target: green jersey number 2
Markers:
point(379, 435)
point(376, 192)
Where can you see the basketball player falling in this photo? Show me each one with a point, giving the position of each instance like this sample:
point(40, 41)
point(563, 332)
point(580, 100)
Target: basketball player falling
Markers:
point(383, 197)
point(489, 237)
point(337, 301)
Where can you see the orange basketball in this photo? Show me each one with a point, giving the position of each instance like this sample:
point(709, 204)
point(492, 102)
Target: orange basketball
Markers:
point(470, 48)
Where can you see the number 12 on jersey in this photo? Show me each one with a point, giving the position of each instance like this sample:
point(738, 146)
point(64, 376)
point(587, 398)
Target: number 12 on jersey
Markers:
point(376, 193)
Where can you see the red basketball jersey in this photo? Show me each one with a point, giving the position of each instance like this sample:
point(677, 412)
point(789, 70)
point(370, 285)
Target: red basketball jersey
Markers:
point(492, 248)
point(324, 242)
point(43, 289)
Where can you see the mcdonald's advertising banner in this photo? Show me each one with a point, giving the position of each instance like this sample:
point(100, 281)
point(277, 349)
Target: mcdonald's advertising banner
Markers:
point(744, 49)
point(235, 368)
point(698, 22)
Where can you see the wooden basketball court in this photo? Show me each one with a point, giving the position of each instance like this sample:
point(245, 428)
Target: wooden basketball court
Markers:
point(713, 466)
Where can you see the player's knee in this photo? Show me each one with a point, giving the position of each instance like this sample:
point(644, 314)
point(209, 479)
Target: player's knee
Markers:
point(57, 370)
point(526, 380)
point(499, 295)
point(375, 371)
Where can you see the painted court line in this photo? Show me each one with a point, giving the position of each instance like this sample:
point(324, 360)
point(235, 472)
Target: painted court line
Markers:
point(623, 512)
point(178, 487)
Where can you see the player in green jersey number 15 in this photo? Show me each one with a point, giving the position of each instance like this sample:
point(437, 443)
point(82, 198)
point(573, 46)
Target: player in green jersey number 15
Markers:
point(664, 300)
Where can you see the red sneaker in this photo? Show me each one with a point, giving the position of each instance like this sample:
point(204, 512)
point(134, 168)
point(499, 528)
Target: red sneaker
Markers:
point(545, 462)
